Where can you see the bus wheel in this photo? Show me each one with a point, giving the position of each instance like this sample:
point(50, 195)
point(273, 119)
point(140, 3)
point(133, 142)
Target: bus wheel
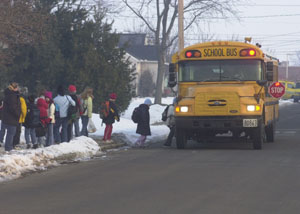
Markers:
point(181, 139)
point(296, 100)
point(270, 132)
point(258, 136)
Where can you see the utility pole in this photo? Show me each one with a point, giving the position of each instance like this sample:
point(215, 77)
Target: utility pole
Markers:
point(287, 68)
point(180, 26)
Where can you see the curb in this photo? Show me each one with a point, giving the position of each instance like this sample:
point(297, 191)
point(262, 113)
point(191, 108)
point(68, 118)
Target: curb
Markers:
point(105, 147)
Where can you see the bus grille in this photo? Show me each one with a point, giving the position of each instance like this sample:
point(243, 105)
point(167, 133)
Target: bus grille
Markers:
point(217, 103)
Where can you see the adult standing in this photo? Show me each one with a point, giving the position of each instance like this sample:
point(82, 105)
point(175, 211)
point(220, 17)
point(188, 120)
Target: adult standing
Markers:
point(113, 115)
point(74, 119)
point(87, 106)
point(171, 123)
point(143, 127)
point(63, 102)
point(11, 113)
point(51, 112)
point(22, 93)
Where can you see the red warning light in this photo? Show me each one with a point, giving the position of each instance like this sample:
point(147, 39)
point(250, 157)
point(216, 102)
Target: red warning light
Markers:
point(188, 54)
point(277, 84)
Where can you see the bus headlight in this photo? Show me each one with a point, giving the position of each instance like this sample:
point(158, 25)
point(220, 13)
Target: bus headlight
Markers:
point(253, 108)
point(182, 109)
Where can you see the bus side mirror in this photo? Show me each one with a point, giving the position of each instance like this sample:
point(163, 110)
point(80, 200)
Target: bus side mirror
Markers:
point(270, 76)
point(269, 66)
point(172, 75)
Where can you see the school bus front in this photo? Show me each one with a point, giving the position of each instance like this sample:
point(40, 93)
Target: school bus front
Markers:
point(222, 88)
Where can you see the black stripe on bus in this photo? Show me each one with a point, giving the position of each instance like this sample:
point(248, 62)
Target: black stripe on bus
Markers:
point(271, 103)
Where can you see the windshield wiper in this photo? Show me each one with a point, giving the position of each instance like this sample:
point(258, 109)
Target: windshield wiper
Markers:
point(209, 80)
point(230, 78)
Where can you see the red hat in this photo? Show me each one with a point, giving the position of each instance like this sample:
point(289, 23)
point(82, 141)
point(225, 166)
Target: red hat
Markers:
point(72, 88)
point(113, 96)
point(48, 94)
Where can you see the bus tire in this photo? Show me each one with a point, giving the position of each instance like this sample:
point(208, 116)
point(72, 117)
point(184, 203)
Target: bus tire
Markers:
point(258, 136)
point(270, 133)
point(181, 139)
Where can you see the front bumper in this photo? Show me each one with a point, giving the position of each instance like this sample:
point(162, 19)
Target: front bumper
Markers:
point(216, 122)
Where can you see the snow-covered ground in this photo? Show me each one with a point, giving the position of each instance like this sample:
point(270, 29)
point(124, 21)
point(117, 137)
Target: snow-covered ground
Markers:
point(17, 163)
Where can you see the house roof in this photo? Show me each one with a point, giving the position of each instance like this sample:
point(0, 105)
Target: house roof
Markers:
point(134, 45)
point(143, 52)
point(132, 39)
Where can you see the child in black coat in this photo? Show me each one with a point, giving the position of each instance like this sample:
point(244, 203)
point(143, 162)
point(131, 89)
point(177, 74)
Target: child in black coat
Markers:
point(143, 127)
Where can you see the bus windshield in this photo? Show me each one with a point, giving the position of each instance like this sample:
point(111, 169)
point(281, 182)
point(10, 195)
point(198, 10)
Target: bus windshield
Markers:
point(220, 70)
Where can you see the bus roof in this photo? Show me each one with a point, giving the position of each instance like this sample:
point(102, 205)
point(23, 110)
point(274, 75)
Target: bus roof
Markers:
point(231, 49)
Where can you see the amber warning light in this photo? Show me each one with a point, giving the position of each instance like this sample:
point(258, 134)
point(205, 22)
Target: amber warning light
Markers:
point(248, 52)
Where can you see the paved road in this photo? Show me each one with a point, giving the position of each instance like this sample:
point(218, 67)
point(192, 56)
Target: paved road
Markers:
point(204, 179)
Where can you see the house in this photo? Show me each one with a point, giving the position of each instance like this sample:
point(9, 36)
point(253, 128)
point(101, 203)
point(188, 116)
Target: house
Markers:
point(143, 56)
point(290, 73)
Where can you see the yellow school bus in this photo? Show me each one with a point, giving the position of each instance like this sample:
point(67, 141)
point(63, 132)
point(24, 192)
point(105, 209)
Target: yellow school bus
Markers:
point(222, 89)
point(291, 90)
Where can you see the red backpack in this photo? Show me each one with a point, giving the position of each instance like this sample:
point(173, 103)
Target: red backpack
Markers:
point(104, 110)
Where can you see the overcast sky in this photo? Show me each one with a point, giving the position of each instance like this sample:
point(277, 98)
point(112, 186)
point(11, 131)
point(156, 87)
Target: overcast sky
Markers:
point(275, 24)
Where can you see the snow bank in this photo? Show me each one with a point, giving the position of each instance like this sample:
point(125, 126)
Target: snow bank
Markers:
point(16, 163)
point(127, 127)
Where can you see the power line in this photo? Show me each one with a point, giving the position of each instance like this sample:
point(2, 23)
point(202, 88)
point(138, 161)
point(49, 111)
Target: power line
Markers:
point(269, 5)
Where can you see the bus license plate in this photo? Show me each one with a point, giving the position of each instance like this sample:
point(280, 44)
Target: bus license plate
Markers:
point(249, 122)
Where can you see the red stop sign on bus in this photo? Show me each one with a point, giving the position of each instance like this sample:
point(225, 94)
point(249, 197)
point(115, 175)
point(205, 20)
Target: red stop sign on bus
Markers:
point(277, 89)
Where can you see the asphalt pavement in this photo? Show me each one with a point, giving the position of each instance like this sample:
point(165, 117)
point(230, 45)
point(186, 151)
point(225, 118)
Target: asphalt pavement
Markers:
point(206, 178)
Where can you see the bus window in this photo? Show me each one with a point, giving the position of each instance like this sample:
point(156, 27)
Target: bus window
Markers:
point(290, 85)
point(220, 70)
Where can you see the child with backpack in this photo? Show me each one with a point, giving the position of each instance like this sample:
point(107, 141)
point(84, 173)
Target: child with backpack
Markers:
point(41, 130)
point(87, 106)
point(32, 121)
point(170, 121)
point(73, 113)
point(143, 127)
point(50, 125)
point(109, 113)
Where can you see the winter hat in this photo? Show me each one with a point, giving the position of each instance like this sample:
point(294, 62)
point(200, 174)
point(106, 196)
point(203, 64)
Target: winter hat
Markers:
point(147, 101)
point(72, 88)
point(113, 96)
point(48, 94)
point(31, 98)
point(61, 90)
point(23, 90)
point(13, 86)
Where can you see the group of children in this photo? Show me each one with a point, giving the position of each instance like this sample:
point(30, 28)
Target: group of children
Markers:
point(48, 121)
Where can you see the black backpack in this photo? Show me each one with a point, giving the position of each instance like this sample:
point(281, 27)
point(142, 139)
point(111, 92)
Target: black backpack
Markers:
point(32, 118)
point(72, 110)
point(136, 115)
point(164, 115)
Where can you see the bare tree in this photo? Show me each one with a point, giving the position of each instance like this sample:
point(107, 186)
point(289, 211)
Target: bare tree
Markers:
point(162, 19)
point(19, 24)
